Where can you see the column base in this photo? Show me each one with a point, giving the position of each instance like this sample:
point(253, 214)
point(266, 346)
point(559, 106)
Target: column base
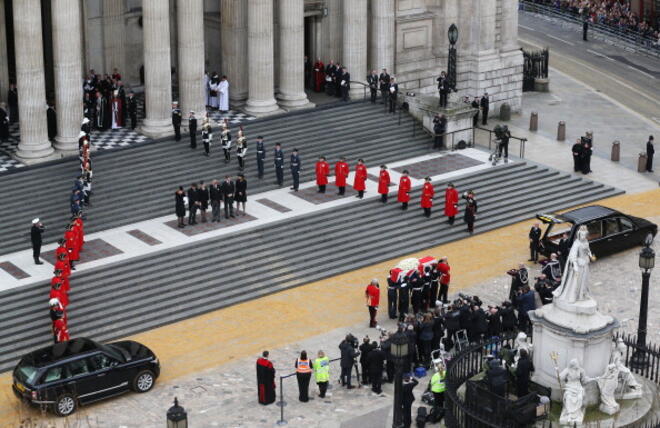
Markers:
point(262, 108)
point(157, 128)
point(294, 102)
point(67, 145)
point(34, 152)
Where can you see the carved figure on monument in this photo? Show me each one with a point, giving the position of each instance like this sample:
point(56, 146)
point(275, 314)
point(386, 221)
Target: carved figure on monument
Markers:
point(630, 388)
point(575, 282)
point(607, 385)
point(572, 379)
point(521, 342)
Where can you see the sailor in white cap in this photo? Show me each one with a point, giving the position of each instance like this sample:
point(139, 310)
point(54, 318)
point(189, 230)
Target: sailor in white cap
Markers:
point(35, 237)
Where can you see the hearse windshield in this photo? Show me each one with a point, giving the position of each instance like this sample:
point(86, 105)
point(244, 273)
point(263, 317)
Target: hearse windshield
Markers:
point(26, 373)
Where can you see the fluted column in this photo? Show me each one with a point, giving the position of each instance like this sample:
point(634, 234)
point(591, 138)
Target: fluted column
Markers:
point(382, 35)
point(67, 51)
point(28, 44)
point(157, 68)
point(190, 21)
point(234, 40)
point(260, 58)
point(292, 54)
point(509, 26)
point(114, 36)
point(4, 65)
point(355, 42)
point(487, 25)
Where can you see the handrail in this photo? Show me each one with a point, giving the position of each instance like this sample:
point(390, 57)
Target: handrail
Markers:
point(364, 87)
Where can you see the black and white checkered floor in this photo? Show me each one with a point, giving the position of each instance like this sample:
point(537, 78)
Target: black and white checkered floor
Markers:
point(103, 140)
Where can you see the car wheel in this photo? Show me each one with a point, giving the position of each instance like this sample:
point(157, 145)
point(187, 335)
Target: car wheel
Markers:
point(143, 381)
point(65, 405)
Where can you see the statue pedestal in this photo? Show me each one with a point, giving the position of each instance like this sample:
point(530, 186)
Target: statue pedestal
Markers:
point(459, 115)
point(571, 330)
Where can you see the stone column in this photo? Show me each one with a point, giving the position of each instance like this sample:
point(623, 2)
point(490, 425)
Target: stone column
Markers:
point(260, 58)
point(234, 40)
point(190, 21)
point(487, 25)
point(157, 66)
point(355, 43)
point(30, 80)
point(4, 65)
point(67, 55)
point(509, 25)
point(382, 35)
point(114, 36)
point(292, 54)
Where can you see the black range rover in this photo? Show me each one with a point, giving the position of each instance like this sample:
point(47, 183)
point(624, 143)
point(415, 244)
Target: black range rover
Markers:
point(608, 230)
point(79, 371)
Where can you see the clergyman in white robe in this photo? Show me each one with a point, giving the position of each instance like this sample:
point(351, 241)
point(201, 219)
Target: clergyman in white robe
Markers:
point(224, 95)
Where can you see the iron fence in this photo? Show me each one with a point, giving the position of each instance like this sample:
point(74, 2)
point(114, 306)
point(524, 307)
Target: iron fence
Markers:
point(650, 371)
point(535, 66)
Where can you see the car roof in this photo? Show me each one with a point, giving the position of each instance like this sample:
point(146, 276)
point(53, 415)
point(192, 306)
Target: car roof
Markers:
point(591, 212)
point(60, 351)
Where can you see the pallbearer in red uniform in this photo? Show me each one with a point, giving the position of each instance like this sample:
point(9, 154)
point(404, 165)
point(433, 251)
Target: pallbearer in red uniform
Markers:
point(56, 310)
point(360, 180)
point(60, 331)
point(265, 379)
point(404, 190)
point(451, 202)
point(322, 171)
point(341, 174)
point(58, 292)
point(445, 277)
point(78, 227)
point(63, 265)
point(383, 183)
point(72, 246)
point(427, 197)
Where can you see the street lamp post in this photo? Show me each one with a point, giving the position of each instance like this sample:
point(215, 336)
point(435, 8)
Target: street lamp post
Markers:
point(451, 59)
point(399, 351)
point(639, 359)
point(177, 416)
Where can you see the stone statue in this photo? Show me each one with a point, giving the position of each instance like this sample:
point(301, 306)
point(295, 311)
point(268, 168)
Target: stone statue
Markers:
point(521, 342)
point(572, 378)
point(607, 385)
point(575, 282)
point(630, 387)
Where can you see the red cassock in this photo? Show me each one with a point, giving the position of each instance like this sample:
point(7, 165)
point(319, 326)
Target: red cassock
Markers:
point(60, 330)
point(341, 173)
point(359, 183)
point(59, 294)
point(427, 195)
point(451, 202)
point(322, 171)
point(72, 245)
point(319, 75)
point(404, 188)
point(384, 182)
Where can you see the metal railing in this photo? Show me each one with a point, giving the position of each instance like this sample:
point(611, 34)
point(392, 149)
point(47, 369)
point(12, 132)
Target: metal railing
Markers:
point(631, 37)
point(652, 370)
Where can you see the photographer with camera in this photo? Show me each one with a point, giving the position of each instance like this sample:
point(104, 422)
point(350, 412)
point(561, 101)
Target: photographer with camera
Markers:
point(348, 348)
point(494, 321)
point(508, 317)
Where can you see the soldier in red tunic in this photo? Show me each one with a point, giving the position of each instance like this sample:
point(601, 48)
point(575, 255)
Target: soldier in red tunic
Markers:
point(61, 250)
point(445, 277)
point(62, 264)
point(60, 331)
point(56, 309)
point(341, 174)
point(427, 197)
point(383, 183)
point(451, 202)
point(58, 292)
point(72, 246)
point(404, 190)
point(78, 226)
point(359, 182)
point(322, 171)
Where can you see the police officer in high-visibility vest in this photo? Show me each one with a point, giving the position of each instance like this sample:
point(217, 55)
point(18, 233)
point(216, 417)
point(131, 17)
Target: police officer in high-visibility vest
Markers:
point(438, 387)
point(322, 373)
point(303, 374)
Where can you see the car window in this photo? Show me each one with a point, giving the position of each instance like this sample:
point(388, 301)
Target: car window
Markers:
point(611, 226)
point(102, 361)
point(53, 374)
point(626, 224)
point(594, 230)
point(77, 367)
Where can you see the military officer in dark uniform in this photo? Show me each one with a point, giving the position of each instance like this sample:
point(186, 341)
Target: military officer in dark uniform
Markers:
point(392, 287)
point(261, 156)
point(534, 242)
point(192, 128)
point(393, 93)
point(650, 151)
point(176, 120)
point(35, 237)
point(485, 106)
point(193, 205)
point(295, 169)
point(577, 155)
point(131, 107)
point(384, 80)
point(372, 80)
point(404, 298)
point(344, 81)
point(278, 158)
point(228, 190)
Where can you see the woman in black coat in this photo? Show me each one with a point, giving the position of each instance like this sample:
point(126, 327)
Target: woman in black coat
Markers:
point(470, 210)
point(240, 194)
point(180, 206)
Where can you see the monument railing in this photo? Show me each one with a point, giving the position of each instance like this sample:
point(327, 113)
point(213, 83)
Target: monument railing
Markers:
point(651, 370)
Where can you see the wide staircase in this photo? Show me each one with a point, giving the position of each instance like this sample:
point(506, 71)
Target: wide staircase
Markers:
point(138, 183)
point(171, 285)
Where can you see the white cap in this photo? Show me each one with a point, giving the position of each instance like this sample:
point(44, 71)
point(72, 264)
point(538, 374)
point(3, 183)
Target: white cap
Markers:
point(35, 221)
point(54, 301)
point(82, 134)
point(85, 120)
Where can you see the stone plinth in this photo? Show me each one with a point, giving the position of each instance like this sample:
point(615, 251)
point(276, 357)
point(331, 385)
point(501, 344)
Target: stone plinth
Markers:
point(541, 85)
point(459, 116)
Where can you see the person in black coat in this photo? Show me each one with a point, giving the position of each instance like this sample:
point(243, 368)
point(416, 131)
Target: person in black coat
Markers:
point(497, 378)
point(585, 29)
point(475, 118)
point(470, 214)
point(51, 120)
point(439, 128)
point(443, 89)
point(376, 363)
point(193, 205)
point(650, 151)
point(240, 196)
point(577, 155)
point(407, 399)
point(586, 157)
point(372, 81)
point(176, 120)
point(294, 163)
point(365, 349)
point(494, 322)
point(508, 317)
point(384, 80)
point(192, 128)
point(479, 324)
point(131, 108)
point(344, 83)
point(404, 298)
point(35, 237)
point(228, 190)
point(4, 122)
point(485, 106)
point(534, 243)
point(348, 355)
point(12, 101)
point(203, 199)
point(215, 194)
point(180, 206)
point(393, 93)
point(524, 370)
point(278, 158)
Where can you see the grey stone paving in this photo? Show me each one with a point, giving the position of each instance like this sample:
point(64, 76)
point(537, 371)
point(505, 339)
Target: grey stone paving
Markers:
point(445, 164)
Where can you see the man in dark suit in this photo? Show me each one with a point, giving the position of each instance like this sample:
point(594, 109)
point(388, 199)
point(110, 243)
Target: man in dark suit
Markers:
point(278, 158)
point(192, 128)
point(384, 80)
point(193, 205)
point(330, 71)
point(344, 83)
point(393, 93)
point(650, 151)
point(215, 193)
point(372, 80)
point(131, 107)
point(176, 120)
point(35, 237)
point(407, 399)
point(295, 169)
point(443, 88)
point(534, 243)
point(227, 189)
point(261, 156)
point(585, 29)
point(485, 105)
point(475, 118)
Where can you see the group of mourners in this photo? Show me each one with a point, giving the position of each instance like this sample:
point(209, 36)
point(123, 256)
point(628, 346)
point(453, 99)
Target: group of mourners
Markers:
point(199, 197)
point(106, 103)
